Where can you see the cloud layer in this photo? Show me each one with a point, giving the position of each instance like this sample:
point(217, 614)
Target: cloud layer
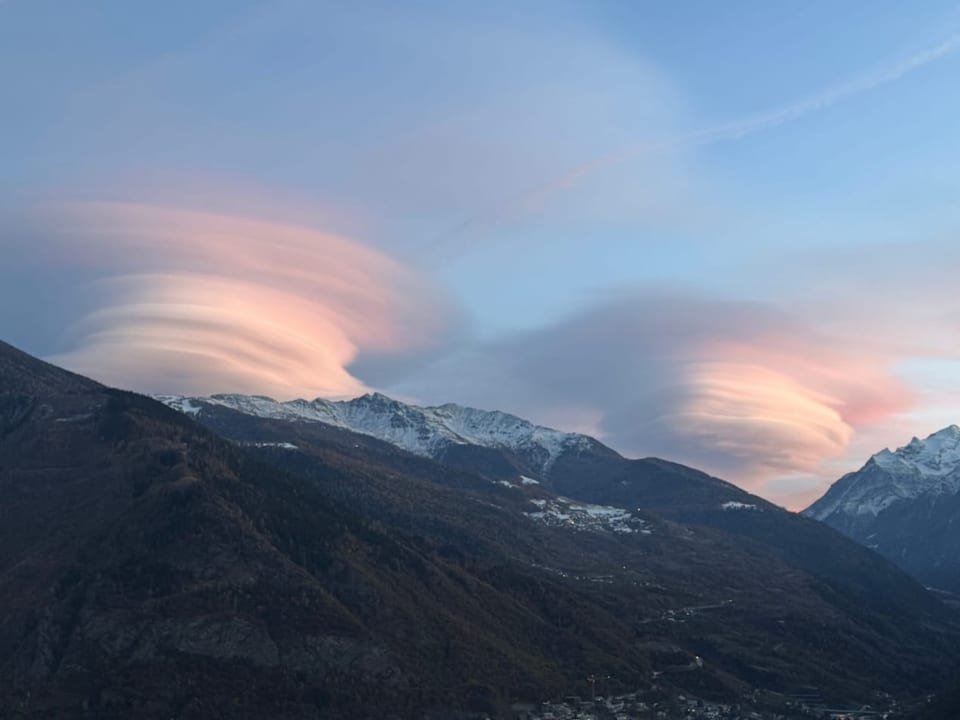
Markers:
point(200, 303)
point(743, 390)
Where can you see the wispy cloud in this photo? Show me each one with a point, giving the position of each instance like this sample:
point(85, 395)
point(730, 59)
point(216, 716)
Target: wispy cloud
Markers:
point(828, 97)
point(518, 205)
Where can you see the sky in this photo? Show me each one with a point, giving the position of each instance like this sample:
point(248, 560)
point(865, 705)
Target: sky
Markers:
point(720, 233)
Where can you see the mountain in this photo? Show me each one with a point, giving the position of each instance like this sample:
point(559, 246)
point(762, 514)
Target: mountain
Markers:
point(496, 444)
point(435, 432)
point(151, 568)
point(504, 448)
point(743, 546)
point(905, 505)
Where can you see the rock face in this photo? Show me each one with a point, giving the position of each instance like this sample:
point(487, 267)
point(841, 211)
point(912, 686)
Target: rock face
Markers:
point(905, 505)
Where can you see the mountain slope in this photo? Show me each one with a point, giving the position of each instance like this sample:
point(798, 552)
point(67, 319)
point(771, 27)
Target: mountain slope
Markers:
point(779, 570)
point(505, 448)
point(906, 505)
point(150, 569)
point(496, 444)
point(945, 706)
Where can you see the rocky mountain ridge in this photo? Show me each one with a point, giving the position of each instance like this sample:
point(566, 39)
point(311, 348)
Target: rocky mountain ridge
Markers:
point(928, 467)
point(426, 431)
point(905, 504)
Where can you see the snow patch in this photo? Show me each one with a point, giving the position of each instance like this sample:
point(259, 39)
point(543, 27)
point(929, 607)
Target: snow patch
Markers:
point(179, 403)
point(281, 445)
point(74, 418)
point(189, 408)
point(734, 505)
point(563, 512)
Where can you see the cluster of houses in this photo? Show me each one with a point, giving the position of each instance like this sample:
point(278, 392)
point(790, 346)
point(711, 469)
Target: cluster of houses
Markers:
point(633, 706)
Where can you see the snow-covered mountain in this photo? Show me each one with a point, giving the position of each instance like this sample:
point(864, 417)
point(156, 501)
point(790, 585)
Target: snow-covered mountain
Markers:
point(489, 443)
point(928, 467)
point(905, 504)
point(427, 431)
point(559, 480)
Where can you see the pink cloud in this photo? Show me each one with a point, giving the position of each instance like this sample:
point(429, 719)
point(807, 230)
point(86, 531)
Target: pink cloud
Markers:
point(793, 399)
point(199, 302)
point(758, 416)
point(745, 391)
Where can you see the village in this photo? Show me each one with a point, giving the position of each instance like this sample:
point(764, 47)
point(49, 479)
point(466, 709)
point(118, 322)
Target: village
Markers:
point(644, 706)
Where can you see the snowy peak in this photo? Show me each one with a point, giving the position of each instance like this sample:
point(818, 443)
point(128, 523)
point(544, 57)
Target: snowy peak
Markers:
point(904, 504)
point(939, 454)
point(929, 467)
point(426, 431)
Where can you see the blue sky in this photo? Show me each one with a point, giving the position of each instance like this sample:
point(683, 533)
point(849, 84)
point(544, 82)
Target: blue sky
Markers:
point(734, 224)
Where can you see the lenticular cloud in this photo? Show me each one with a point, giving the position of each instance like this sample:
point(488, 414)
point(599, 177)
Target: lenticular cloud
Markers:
point(200, 303)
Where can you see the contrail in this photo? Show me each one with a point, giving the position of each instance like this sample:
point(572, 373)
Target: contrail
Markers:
point(735, 130)
point(830, 97)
